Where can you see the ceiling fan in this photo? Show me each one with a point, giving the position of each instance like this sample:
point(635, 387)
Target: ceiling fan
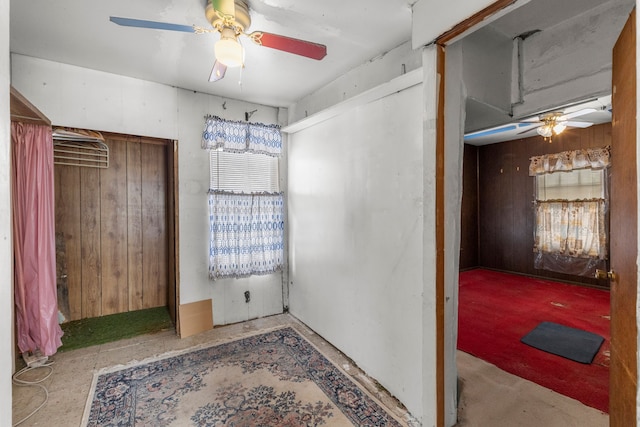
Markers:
point(231, 19)
point(554, 123)
point(546, 125)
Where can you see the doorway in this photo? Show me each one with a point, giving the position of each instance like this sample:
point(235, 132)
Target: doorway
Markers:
point(563, 95)
point(115, 230)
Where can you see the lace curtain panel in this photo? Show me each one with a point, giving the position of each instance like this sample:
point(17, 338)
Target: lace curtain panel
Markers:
point(594, 158)
point(241, 137)
point(247, 234)
point(571, 228)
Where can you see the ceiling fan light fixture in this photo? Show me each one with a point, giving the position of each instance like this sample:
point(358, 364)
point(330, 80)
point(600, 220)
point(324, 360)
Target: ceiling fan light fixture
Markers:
point(228, 50)
point(545, 131)
point(558, 128)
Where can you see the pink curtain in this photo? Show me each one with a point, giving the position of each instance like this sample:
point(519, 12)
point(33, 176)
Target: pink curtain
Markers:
point(34, 239)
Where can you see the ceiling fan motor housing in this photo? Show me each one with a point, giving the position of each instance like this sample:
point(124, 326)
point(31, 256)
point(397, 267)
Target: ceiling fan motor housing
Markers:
point(241, 19)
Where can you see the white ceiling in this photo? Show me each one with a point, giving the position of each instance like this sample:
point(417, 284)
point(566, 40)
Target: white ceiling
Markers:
point(599, 111)
point(79, 33)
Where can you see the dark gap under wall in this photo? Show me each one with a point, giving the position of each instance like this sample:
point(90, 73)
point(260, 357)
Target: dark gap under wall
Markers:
point(497, 210)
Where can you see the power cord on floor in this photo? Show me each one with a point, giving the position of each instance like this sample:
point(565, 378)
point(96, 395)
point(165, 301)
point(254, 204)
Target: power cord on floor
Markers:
point(26, 383)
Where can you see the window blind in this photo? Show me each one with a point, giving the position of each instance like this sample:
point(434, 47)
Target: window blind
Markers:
point(246, 173)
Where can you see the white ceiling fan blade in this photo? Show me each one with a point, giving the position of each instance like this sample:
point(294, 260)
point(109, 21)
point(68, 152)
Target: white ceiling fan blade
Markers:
point(578, 124)
point(217, 73)
point(534, 119)
point(577, 114)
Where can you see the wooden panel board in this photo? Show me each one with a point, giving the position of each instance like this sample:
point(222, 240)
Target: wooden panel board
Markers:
point(24, 111)
point(154, 225)
point(196, 317)
point(489, 201)
point(134, 209)
point(90, 237)
point(469, 209)
point(67, 207)
point(116, 232)
point(522, 189)
point(113, 230)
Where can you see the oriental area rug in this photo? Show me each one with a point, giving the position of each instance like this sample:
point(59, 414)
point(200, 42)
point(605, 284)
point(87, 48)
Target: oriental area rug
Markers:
point(276, 378)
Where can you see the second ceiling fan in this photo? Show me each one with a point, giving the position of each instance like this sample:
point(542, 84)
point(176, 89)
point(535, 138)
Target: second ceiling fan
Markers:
point(231, 18)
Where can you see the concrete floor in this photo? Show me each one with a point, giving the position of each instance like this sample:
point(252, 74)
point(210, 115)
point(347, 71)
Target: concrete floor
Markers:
point(493, 397)
point(490, 397)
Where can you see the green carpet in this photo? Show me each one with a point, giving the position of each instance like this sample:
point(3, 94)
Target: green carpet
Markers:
point(100, 330)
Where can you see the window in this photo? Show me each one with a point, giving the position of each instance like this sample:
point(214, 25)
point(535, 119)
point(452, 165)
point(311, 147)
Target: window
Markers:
point(246, 207)
point(570, 211)
point(245, 173)
point(577, 184)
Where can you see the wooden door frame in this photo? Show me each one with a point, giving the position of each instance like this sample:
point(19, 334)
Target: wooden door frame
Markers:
point(441, 42)
point(173, 233)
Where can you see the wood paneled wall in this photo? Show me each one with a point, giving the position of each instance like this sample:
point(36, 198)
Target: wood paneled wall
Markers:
point(505, 196)
point(112, 230)
point(469, 210)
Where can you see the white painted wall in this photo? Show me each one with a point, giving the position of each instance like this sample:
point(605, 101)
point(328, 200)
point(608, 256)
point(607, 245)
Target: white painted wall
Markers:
point(571, 61)
point(455, 96)
point(79, 97)
point(369, 75)
point(429, 268)
point(6, 243)
point(355, 218)
point(487, 68)
point(430, 21)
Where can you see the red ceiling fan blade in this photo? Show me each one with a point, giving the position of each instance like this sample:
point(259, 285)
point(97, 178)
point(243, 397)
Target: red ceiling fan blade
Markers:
point(217, 73)
point(291, 45)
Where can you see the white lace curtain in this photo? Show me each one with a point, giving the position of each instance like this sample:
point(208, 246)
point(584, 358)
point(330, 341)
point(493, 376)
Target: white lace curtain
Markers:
point(246, 230)
point(247, 234)
point(241, 137)
point(571, 228)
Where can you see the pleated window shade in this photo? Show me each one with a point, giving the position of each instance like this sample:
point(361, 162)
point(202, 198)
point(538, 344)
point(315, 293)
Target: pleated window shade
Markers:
point(246, 173)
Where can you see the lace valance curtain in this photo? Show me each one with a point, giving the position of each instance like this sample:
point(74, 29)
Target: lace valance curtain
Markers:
point(594, 158)
point(241, 137)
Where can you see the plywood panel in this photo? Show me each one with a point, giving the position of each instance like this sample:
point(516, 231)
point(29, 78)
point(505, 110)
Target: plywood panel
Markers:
point(196, 317)
point(522, 189)
point(134, 209)
point(90, 238)
point(67, 206)
point(113, 230)
point(504, 215)
point(114, 225)
point(154, 225)
point(469, 210)
point(488, 199)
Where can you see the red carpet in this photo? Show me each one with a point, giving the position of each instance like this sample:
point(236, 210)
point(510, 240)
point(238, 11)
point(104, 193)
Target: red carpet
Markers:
point(497, 309)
